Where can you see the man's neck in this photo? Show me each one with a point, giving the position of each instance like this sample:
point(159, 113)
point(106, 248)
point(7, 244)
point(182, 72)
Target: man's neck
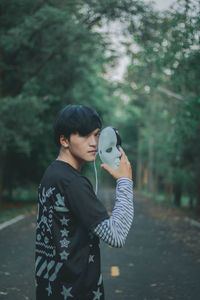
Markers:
point(65, 156)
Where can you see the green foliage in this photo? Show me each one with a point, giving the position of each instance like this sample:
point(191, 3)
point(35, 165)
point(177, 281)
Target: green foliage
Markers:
point(167, 56)
point(20, 122)
point(51, 55)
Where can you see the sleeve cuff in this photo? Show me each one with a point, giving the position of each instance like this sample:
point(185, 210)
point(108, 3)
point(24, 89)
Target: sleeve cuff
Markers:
point(124, 181)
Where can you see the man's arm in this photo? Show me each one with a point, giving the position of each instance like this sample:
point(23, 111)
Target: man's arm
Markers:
point(114, 230)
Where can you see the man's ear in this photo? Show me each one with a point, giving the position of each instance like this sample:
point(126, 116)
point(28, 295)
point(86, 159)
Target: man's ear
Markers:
point(64, 142)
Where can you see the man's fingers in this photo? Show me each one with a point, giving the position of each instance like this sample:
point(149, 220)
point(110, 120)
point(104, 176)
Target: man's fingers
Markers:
point(106, 167)
point(123, 157)
point(122, 152)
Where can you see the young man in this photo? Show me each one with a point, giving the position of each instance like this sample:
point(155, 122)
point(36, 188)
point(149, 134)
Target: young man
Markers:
point(71, 219)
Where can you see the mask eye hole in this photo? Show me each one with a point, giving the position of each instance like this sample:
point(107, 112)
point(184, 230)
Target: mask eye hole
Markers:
point(109, 150)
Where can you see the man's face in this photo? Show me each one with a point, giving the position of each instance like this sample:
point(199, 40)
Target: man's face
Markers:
point(84, 148)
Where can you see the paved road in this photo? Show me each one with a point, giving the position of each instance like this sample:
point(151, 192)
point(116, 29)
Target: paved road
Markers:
point(17, 260)
point(151, 266)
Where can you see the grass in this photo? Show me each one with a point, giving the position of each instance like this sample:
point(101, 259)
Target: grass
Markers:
point(23, 202)
point(185, 203)
point(9, 211)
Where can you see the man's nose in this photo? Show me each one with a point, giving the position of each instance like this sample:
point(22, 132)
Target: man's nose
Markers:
point(93, 140)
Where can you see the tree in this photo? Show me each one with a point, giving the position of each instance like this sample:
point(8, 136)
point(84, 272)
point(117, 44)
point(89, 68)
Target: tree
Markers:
point(50, 56)
point(167, 56)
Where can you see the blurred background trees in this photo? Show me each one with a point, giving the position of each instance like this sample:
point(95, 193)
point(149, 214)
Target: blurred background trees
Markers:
point(53, 53)
point(162, 82)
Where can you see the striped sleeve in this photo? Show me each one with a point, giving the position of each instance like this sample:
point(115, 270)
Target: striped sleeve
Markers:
point(114, 230)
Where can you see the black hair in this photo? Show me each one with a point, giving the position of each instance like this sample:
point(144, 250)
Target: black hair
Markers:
point(80, 119)
point(119, 140)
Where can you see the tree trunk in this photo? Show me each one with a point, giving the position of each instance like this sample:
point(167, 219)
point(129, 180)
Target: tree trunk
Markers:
point(177, 194)
point(169, 189)
point(1, 177)
point(198, 197)
point(150, 165)
point(191, 201)
point(139, 164)
point(155, 188)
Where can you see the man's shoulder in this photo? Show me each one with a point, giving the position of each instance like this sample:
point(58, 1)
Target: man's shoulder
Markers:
point(60, 171)
point(80, 180)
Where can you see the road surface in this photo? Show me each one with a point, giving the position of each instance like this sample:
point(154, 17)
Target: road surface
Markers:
point(155, 263)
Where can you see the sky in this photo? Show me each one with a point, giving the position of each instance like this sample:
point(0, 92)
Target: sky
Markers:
point(116, 37)
point(161, 4)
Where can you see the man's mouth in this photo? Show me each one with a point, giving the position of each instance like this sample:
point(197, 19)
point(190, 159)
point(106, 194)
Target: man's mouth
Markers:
point(93, 151)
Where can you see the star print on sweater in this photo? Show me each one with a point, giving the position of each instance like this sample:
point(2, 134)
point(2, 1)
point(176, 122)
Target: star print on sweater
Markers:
point(66, 292)
point(97, 295)
point(49, 289)
point(91, 258)
point(64, 243)
point(64, 232)
point(64, 221)
point(64, 255)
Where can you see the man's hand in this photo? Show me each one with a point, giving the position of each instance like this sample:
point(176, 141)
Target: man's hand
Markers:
point(124, 169)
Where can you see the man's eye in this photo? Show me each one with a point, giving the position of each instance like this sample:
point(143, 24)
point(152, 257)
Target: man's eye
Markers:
point(109, 150)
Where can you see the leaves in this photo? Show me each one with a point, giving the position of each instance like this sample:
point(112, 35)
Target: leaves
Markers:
point(51, 55)
point(166, 58)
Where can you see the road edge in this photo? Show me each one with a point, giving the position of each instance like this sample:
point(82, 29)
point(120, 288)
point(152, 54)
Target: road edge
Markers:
point(11, 221)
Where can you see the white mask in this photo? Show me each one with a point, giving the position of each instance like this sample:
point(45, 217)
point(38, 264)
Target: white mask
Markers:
point(107, 147)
